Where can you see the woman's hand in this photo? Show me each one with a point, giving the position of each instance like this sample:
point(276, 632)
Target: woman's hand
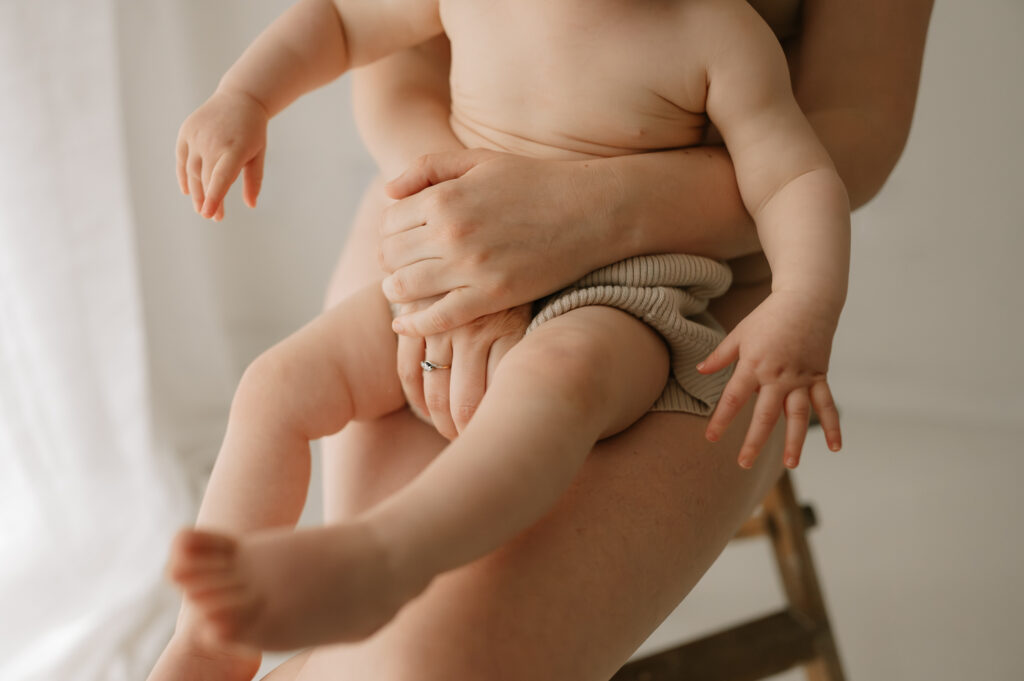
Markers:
point(782, 350)
point(450, 396)
point(220, 138)
point(486, 231)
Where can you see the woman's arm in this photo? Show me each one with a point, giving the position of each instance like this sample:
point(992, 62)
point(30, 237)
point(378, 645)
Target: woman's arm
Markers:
point(855, 73)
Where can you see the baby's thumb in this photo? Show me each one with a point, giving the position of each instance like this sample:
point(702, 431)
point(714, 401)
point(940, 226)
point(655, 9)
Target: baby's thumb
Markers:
point(722, 356)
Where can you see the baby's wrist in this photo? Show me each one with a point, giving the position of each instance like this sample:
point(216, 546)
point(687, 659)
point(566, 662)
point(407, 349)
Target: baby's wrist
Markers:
point(820, 298)
point(243, 95)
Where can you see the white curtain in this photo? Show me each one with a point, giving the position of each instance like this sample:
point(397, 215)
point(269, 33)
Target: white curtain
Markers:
point(124, 319)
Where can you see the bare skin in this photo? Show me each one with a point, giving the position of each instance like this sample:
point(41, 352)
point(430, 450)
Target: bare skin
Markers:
point(694, 565)
point(581, 377)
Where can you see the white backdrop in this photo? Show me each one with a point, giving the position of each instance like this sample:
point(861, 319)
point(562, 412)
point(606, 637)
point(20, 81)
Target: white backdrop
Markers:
point(125, 320)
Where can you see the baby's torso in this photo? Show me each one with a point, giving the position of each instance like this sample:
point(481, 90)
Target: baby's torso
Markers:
point(567, 79)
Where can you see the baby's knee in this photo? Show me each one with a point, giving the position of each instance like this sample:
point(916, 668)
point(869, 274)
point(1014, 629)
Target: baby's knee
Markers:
point(263, 383)
point(565, 365)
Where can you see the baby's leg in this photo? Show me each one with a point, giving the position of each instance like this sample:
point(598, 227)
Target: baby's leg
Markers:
point(340, 366)
point(576, 379)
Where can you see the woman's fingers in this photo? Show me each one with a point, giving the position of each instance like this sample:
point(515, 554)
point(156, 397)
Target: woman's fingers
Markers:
point(419, 281)
point(798, 413)
point(499, 349)
point(437, 385)
point(410, 354)
point(468, 378)
point(766, 415)
point(458, 307)
point(433, 169)
point(404, 215)
point(828, 415)
point(405, 248)
point(736, 393)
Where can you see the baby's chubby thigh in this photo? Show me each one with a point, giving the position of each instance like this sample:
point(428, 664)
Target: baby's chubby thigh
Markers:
point(605, 364)
point(339, 367)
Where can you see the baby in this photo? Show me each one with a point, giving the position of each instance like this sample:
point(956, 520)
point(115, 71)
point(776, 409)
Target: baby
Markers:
point(557, 79)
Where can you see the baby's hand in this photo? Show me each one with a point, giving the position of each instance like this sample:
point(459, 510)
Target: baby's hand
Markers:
point(783, 348)
point(227, 133)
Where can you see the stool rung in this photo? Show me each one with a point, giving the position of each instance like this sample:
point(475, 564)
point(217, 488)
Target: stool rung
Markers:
point(757, 525)
point(762, 647)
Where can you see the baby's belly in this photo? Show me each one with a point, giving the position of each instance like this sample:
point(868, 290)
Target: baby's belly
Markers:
point(596, 139)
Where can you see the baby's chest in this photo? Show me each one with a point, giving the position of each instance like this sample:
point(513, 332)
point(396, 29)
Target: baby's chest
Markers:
point(619, 72)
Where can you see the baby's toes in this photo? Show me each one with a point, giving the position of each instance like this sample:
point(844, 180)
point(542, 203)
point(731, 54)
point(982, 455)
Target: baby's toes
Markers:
point(198, 558)
point(232, 614)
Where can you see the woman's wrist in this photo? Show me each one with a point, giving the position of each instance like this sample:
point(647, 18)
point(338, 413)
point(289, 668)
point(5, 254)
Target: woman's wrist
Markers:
point(679, 201)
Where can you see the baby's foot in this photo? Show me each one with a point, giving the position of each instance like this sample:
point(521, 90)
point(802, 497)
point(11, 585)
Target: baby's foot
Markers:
point(184, 658)
point(283, 589)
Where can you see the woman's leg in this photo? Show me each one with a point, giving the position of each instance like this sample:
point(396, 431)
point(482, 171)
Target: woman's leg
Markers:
point(574, 595)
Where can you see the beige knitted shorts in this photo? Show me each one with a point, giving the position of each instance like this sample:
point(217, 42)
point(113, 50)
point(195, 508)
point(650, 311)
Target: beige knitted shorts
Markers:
point(669, 293)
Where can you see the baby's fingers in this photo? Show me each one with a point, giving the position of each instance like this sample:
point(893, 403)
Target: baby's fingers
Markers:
point(253, 178)
point(194, 168)
point(828, 415)
point(737, 391)
point(798, 414)
point(225, 171)
point(727, 352)
point(181, 152)
point(766, 415)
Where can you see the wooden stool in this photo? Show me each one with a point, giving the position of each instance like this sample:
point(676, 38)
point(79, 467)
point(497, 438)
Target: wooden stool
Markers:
point(799, 634)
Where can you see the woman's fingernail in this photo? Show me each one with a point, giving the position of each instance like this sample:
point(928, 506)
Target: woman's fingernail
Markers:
point(790, 462)
point(700, 366)
point(397, 327)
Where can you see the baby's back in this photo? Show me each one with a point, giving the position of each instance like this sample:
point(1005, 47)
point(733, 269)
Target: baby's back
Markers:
point(575, 78)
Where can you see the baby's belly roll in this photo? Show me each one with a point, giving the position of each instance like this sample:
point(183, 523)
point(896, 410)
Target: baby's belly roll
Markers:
point(669, 293)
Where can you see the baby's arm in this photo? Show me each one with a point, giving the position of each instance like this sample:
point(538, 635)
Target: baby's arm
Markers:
point(402, 106)
point(792, 190)
point(311, 44)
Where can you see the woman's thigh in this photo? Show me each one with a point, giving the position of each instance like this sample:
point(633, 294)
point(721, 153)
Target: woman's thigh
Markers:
point(573, 596)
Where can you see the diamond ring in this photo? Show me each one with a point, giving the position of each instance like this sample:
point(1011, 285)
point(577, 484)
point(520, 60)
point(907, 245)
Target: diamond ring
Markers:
point(429, 366)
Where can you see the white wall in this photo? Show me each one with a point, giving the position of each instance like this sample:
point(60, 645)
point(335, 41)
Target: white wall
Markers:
point(933, 323)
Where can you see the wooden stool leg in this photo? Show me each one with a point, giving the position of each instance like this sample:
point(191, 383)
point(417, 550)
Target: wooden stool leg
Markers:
point(799, 579)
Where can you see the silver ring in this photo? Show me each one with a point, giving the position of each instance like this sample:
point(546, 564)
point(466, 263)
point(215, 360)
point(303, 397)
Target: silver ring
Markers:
point(429, 366)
